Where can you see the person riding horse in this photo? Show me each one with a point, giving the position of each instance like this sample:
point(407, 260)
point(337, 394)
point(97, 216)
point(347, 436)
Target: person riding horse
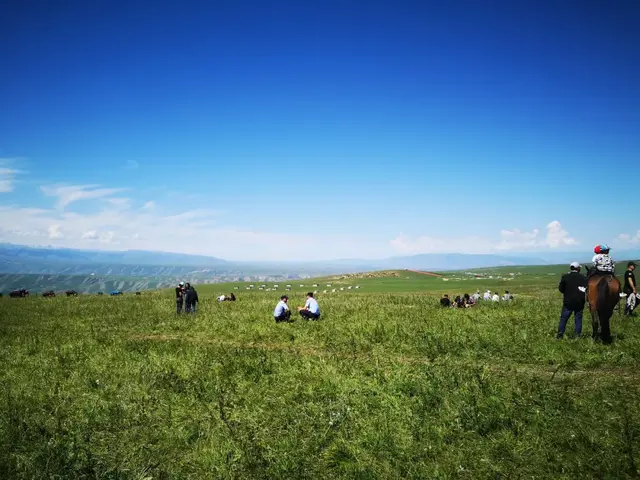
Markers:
point(603, 292)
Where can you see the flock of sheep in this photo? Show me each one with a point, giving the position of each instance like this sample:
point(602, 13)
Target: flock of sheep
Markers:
point(266, 288)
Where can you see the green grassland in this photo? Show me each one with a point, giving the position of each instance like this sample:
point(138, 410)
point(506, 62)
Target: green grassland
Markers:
point(386, 385)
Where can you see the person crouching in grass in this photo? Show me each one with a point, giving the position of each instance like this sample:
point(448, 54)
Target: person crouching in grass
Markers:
point(311, 309)
point(282, 312)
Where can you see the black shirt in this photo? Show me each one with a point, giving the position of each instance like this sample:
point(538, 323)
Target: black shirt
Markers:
point(179, 293)
point(192, 295)
point(445, 302)
point(573, 299)
point(628, 278)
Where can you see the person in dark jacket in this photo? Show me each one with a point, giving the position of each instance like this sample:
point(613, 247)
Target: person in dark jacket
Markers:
point(179, 297)
point(573, 286)
point(191, 298)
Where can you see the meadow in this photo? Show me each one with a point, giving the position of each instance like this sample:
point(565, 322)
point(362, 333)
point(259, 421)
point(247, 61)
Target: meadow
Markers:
point(386, 385)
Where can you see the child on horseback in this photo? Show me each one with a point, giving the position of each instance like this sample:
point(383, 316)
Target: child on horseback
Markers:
point(602, 262)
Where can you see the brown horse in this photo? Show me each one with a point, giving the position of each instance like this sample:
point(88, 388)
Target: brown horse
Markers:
point(603, 294)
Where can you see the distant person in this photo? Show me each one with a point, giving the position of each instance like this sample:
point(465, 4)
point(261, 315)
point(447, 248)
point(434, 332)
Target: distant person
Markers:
point(231, 297)
point(457, 302)
point(507, 296)
point(179, 297)
point(445, 301)
point(495, 297)
point(487, 295)
point(468, 301)
point(311, 309)
point(573, 286)
point(476, 296)
point(630, 289)
point(282, 312)
point(191, 298)
point(221, 298)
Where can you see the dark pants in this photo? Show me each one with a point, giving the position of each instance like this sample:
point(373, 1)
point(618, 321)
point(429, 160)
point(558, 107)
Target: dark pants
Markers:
point(179, 303)
point(307, 315)
point(564, 317)
point(284, 317)
point(191, 307)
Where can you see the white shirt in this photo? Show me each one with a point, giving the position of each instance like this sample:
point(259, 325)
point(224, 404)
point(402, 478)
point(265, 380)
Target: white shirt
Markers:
point(281, 307)
point(312, 305)
point(496, 297)
point(487, 295)
point(221, 298)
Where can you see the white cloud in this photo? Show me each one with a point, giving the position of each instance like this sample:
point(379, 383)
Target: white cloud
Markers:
point(629, 239)
point(7, 178)
point(67, 194)
point(54, 231)
point(558, 236)
point(513, 240)
point(193, 231)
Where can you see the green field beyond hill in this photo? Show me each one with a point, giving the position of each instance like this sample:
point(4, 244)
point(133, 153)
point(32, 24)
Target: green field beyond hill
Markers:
point(386, 385)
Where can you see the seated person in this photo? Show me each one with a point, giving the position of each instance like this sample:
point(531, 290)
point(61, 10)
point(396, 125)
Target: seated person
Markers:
point(445, 301)
point(282, 312)
point(602, 262)
point(468, 300)
point(311, 309)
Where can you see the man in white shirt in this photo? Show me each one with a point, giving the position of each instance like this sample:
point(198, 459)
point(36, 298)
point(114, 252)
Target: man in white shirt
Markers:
point(311, 309)
point(476, 296)
point(282, 312)
point(496, 297)
point(487, 295)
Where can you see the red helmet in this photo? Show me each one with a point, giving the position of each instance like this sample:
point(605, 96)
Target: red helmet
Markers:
point(596, 249)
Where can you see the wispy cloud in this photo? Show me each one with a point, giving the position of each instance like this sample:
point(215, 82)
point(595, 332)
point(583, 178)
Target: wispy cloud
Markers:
point(627, 239)
point(509, 240)
point(7, 176)
point(67, 194)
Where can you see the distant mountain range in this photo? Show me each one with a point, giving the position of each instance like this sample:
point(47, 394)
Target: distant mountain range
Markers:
point(140, 269)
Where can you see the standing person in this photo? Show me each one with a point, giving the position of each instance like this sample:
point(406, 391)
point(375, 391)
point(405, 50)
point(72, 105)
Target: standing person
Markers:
point(631, 289)
point(191, 298)
point(573, 286)
point(311, 309)
point(179, 297)
point(282, 312)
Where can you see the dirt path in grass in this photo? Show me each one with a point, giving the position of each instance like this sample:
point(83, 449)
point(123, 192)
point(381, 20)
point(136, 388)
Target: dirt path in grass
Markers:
point(427, 273)
point(500, 366)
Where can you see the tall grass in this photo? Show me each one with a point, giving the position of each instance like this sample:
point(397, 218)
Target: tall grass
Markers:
point(383, 386)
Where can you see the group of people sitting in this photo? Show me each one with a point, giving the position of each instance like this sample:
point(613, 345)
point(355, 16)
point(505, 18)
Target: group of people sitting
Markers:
point(467, 300)
point(186, 296)
point(310, 311)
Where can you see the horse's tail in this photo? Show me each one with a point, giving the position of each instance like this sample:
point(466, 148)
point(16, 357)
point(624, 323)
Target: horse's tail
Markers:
point(603, 293)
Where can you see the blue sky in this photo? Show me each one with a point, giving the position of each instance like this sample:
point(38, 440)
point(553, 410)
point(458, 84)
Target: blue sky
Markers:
point(318, 130)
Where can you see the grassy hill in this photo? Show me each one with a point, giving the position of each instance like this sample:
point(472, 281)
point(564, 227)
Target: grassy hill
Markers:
point(386, 385)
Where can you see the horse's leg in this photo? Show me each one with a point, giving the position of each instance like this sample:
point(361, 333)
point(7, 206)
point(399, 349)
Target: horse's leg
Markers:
point(606, 327)
point(595, 324)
